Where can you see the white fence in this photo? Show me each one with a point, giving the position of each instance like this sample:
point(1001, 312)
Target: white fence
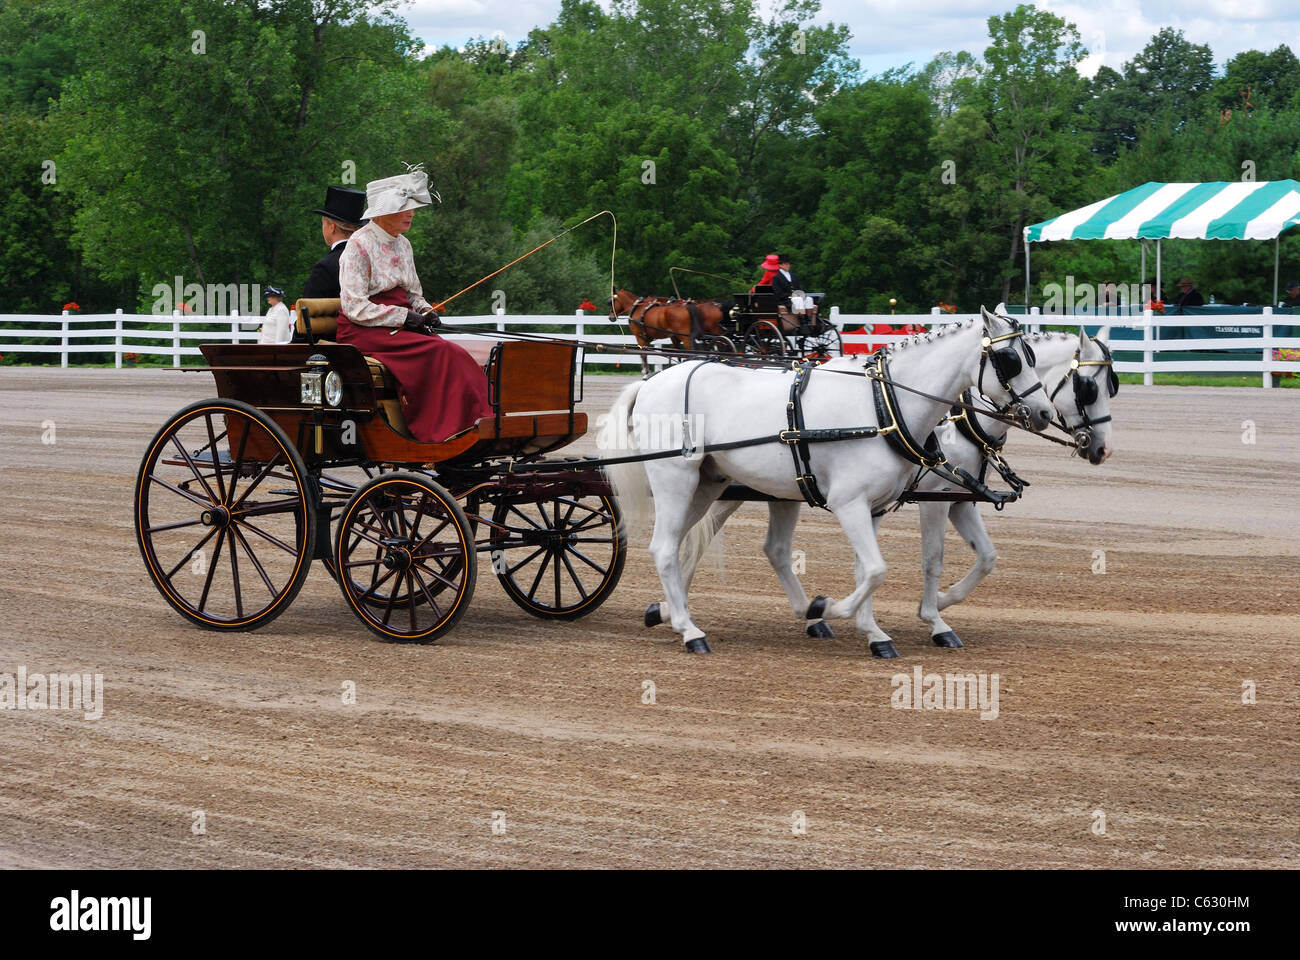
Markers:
point(131, 336)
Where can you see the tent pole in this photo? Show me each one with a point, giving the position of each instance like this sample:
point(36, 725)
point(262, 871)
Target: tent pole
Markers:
point(1159, 286)
point(1143, 279)
point(1027, 277)
point(1277, 260)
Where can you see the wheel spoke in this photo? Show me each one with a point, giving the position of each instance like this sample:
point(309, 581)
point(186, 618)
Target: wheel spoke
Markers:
point(266, 536)
point(177, 490)
point(172, 526)
point(185, 455)
point(190, 554)
point(574, 575)
point(237, 464)
point(212, 568)
point(268, 506)
point(587, 560)
point(216, 458)
point(253, 557)
point(523, 563)
point(258, 479)
point(234, 574)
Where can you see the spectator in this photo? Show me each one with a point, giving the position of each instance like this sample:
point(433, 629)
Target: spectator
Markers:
point(1292, 298)
point(278, 326)
point(1190, 296)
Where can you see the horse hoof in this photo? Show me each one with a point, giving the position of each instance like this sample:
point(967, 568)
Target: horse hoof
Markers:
point(820, 630)
point(883, 650)
point(947, 639)
point(817, 609)
point(653, 616)
point(698, 645)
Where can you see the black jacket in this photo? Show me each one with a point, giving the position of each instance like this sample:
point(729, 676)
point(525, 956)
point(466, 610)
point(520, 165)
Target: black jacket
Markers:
point(782, 288)
point(323, 281)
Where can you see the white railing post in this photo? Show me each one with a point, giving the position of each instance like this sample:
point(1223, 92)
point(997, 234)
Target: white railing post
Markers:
point(117, 339)
point(580, 325)
point(1148, 372)
point(63, 357)
point(234, 327)
point(501, 324)
point(1267, 330)
point(835, 317)
point(934, 311)
point(1034, 327)
point(176, 338)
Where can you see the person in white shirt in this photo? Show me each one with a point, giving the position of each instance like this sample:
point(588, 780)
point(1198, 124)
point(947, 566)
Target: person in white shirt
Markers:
point(278, 325)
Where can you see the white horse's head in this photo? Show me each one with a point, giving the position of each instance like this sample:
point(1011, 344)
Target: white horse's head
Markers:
point(1007, 377)
point(1085, 407)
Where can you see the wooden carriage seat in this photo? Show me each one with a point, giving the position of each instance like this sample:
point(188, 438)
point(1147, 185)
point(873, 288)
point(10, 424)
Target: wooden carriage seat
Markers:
point(318, 319)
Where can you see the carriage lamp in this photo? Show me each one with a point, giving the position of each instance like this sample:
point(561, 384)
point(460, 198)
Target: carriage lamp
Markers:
point(333, 388)
point(310, 382)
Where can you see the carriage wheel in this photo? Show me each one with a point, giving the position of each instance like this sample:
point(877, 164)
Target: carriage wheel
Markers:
point(719, 343)
point(559, 558)
point(222, 515)
point(826, 345)
point(405, 557)
point(766, 340)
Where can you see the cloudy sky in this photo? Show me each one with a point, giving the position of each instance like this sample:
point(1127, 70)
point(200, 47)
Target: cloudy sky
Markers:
point(889, 33)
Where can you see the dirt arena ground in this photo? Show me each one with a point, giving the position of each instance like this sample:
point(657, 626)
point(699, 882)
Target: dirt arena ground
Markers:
point(1119, 692)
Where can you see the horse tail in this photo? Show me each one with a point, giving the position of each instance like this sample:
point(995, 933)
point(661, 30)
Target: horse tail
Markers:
point(695, 542)
point(618, 439)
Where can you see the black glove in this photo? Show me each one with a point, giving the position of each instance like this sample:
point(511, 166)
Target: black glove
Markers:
point(424, 323)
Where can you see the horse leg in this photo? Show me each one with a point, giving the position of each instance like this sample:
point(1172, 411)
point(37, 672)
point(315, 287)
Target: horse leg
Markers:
point(782, 518)
point(692, 552)
point(676, 511)
point(869, 569)
point(966, 518)
point(643, 341)
point(934, 523)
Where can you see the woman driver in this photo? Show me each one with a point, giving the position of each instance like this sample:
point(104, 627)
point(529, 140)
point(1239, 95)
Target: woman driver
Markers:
point(384, 315)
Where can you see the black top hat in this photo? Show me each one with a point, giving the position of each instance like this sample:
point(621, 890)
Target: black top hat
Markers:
point(344, 205)
point(1292, 284)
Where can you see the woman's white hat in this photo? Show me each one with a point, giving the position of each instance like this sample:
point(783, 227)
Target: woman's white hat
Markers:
point(407, 191)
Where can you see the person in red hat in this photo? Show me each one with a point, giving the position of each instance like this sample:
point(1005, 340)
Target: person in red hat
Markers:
point(770, 267)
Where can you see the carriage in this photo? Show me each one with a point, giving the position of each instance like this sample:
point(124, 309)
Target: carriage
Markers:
point(304, 455)
point(765, 328)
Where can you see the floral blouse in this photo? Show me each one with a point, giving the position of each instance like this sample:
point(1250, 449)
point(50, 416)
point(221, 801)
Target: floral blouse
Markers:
point(372, 262)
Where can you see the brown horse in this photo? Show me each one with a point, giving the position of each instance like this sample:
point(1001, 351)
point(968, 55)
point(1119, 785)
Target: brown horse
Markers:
point(688, 323)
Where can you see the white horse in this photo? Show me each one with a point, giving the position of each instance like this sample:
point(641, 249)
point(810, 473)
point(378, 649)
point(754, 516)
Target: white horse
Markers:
point(728, 404)
point(1078, 376)
point(1083, 411)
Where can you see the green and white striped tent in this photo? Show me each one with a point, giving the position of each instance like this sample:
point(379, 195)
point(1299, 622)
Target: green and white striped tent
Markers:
point(1262, 210)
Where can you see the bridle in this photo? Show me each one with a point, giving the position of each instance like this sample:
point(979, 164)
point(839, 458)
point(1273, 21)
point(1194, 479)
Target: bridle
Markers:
point(1007, 365)
point(1086, 393)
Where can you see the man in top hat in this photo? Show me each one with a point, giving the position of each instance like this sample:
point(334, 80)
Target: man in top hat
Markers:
point(1292, 298)
point(340, 218)
point(277, 327)
point(784, 282)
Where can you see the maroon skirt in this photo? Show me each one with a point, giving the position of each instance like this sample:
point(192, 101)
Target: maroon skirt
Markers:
point(443, 389)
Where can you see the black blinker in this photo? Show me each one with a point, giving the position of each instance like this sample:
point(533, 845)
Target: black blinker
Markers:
point(1007, 364)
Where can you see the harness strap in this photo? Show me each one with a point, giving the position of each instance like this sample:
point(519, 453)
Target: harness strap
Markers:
point(799, 437)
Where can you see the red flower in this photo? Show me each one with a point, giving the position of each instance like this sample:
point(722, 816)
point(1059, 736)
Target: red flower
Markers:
point(72, 306)
point(586, 304)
